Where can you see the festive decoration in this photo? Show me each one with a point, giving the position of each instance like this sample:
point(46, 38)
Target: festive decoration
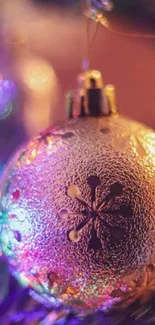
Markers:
point(99, 11)
point(81, 215)
point(77, 216)
point(26, 306)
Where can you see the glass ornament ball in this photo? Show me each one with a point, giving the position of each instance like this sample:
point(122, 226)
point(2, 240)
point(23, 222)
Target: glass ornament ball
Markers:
point(77, 209)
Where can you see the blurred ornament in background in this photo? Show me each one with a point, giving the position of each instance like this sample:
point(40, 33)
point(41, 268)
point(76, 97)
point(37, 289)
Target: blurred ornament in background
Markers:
point(94, 9)
point(8, 93)
point(87, 207)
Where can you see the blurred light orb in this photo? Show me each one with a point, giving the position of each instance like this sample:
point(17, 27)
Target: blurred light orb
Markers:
point(1, 78)
point(5, 110)
point(85, 64)
point(81, 79)
point(96, 74)
point(1, 167)
point(38, 75)
point(8, 91)
point(108, 4)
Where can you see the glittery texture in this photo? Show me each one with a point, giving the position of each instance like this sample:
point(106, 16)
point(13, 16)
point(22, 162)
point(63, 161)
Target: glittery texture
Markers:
point(81, 209)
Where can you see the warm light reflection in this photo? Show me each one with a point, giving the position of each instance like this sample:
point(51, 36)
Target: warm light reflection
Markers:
point(110, 89)
point(151, 146)
point(42, 92)
point(95, 74)
point(38, 75)
point(110, 93)
point(33, 156)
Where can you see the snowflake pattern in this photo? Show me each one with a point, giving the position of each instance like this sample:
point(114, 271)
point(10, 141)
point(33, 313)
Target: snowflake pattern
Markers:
point(95, 211)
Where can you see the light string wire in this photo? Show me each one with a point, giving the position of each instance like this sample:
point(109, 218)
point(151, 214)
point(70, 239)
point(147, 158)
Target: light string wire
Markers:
point(89, 41)
point(99, 17)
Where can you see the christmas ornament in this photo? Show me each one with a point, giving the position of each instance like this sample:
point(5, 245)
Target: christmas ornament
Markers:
point(26, 306)
point(77, 208)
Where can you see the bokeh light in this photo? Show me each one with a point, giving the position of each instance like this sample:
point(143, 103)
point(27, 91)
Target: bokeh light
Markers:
point(1, 78)
point(7, 91)
point(41, 87)
point(80, 80)
point(107, 4)
point(5, 110)
point(85, 64)
point(38, 75)
point(1, 168)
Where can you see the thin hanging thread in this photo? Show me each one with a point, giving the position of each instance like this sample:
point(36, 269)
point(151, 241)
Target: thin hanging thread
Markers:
point(95, 36)
point(88, 25)
point(89, 41)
